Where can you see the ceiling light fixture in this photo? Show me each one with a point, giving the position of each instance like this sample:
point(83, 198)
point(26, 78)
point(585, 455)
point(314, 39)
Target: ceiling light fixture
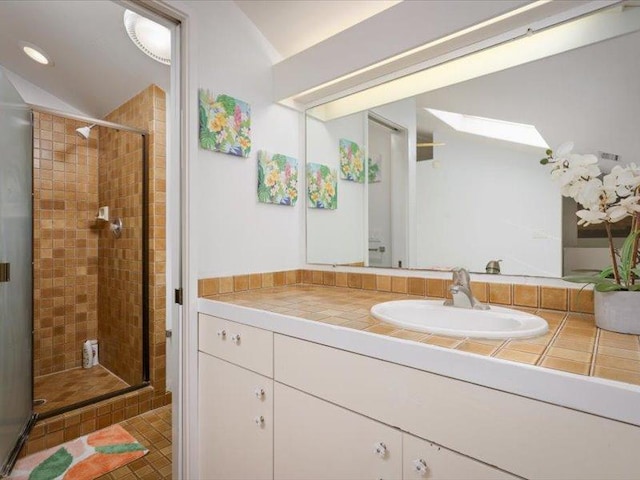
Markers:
point(150, 37)
point(36, 54)
point(492, 128)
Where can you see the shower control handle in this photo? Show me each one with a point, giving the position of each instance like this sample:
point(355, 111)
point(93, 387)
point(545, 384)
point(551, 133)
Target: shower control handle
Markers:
point(222, 334)
point(236, 339)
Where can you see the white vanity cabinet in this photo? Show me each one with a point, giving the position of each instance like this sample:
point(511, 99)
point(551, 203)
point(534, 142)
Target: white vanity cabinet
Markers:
point(235, 404)
point(316, 440)
point(272, 405)
point(423, 460)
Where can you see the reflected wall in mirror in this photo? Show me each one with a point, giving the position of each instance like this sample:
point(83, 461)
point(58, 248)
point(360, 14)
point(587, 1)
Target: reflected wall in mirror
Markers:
point(460, 182)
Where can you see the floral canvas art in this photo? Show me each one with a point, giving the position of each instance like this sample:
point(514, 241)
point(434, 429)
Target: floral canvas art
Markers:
point(351, 161)
point(322, 186)
point(375, 175)
point(225, 124)
point(277, 179)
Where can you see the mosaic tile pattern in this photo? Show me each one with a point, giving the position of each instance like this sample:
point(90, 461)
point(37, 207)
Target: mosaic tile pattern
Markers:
point(67, 426)
point(65, 248)
point(120, 290)
point(532, 296)
point(573, 344)
point(153, 430)
point(73, 386)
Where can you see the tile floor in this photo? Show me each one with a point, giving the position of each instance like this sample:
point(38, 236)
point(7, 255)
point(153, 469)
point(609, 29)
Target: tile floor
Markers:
point(75, 385)
point(153, 430)
point(573, 344)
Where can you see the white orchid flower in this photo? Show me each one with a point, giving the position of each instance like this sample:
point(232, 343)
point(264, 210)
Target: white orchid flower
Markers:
point(563, 149)
point(594, 195)
point(625, 180)
point(575, 167)
point(616, 213)
point(588, 217)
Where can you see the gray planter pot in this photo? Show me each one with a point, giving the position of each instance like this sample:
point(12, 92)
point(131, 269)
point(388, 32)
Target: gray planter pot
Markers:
point(618, 311)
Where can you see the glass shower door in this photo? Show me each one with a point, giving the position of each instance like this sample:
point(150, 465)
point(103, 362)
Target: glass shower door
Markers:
point(16, 324)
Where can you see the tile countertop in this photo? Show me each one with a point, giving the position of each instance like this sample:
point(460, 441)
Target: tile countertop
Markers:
point(572, 365)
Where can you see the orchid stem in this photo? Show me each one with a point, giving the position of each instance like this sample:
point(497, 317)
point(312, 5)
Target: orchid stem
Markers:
point(616, 274)
point(634, 259)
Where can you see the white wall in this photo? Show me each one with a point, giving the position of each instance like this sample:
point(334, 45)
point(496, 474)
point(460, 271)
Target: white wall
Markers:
point(336, 236)
point(34, 95)
point(488, 200)
point(233, 233)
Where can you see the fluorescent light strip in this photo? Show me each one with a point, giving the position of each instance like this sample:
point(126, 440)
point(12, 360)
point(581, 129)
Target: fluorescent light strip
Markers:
point(426, 46)
point(492, 128)
point(562, 38)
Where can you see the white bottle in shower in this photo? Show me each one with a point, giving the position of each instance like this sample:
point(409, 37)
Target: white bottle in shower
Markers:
point(87, 355)
point(94, 352)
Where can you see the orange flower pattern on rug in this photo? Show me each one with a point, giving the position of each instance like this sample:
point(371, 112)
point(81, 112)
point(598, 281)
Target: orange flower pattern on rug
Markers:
point(85, 458)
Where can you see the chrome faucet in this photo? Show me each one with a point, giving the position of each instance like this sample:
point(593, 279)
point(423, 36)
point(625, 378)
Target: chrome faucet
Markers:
point(460, 290)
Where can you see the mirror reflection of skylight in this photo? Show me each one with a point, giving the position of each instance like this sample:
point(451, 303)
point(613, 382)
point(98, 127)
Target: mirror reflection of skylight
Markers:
point(492, 128)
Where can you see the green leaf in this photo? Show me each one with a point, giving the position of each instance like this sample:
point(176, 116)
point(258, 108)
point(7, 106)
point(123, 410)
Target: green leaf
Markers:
point(634, 288)
point(208, 140)
point(548, 152)
point(544, 161)
point(606, 273)
point(587, 279)
point(229, 103)
point(264, 194)
point(121, 448)
point(626, 252)
point(52, 467)
point(608, 287)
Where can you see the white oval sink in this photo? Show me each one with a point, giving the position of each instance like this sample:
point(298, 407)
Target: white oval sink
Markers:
point(433, 317)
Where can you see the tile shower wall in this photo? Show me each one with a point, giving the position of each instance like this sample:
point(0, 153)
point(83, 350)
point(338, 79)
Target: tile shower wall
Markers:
point(119, 307)
point(65, 174)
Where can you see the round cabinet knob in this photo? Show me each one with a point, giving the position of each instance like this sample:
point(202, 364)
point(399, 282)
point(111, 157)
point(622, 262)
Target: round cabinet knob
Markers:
point(260, 393)
point(420, 466)
point(380, 449)
point(260, 421)
point(236, 339)
point(222, 334)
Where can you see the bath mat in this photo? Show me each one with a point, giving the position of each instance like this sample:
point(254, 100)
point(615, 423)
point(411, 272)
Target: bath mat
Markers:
point(84, 458)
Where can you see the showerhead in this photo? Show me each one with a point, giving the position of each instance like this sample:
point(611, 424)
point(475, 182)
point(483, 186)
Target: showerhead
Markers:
point(84, 131)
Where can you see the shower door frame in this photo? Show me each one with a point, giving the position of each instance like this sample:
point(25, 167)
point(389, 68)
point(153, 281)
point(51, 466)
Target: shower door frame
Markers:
point(145, 256)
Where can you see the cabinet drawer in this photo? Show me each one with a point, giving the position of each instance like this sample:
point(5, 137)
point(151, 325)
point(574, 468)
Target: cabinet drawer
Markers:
point(315, 440)
point(235, 434)
point(243, 345)
point(527, 437)
point(423, 460)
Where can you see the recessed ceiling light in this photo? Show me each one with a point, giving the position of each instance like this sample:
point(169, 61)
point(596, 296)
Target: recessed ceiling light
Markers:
point(149, 36)
point(36, 54)
point(492, 128)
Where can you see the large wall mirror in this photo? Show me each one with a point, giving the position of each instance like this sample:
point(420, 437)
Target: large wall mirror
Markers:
point(451, 176)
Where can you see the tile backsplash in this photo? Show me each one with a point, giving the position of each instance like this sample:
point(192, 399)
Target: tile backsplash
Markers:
point(519, 295)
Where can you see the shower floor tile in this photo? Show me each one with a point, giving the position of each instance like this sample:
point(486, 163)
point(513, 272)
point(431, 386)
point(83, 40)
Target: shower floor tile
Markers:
point(72, 386)
point(153, 430)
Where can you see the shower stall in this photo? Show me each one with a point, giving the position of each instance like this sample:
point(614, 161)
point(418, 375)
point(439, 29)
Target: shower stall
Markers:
point(82, 262)
point(90, 260)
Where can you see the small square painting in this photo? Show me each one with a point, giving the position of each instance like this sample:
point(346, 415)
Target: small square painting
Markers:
point(322, 186)
point(351, 161)
point(225, 124)
point(277, 179)
point(375, 175)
